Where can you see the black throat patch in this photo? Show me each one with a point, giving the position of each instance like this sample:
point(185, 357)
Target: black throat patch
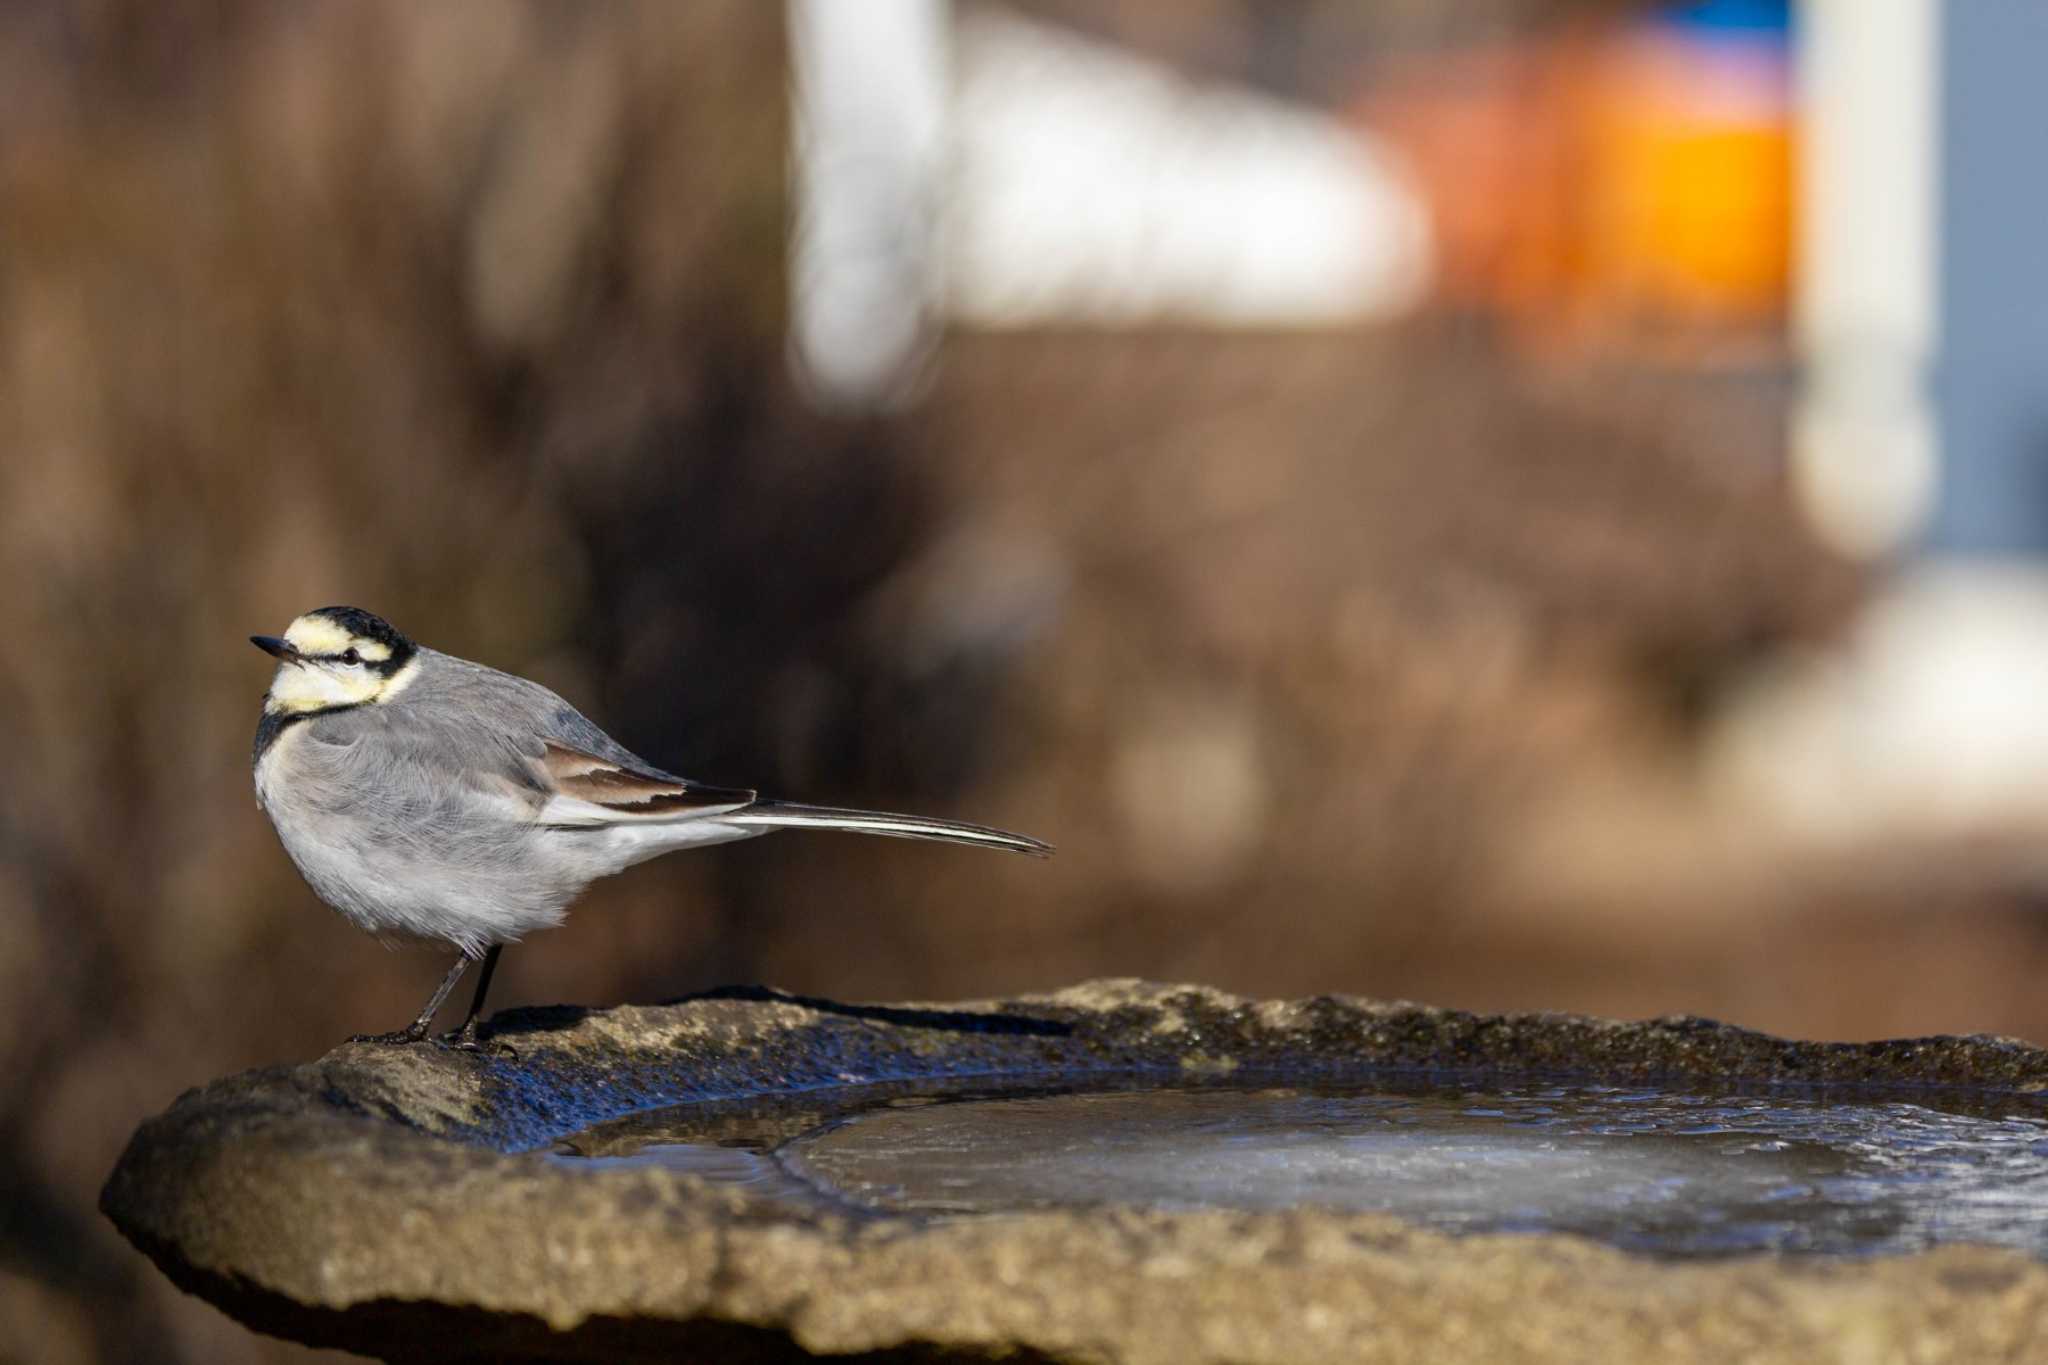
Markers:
point(275, 723)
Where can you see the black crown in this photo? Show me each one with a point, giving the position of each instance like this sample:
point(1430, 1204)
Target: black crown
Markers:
point(364, 625)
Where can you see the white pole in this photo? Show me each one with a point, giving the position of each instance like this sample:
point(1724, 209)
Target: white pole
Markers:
point(1865, 304)
point(869, 121)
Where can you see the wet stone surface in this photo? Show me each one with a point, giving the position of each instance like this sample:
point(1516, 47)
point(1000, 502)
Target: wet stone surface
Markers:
point(1121, 1171)
point(1660, 1172)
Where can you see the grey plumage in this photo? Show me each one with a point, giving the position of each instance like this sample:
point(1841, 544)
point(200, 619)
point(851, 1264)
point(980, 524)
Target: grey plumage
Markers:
point(432, 799)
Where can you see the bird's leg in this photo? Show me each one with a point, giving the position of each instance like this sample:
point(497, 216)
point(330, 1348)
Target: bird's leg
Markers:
point(465, 1037)
point(417, 1029)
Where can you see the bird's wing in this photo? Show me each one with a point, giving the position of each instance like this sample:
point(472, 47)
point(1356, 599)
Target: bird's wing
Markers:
point(587, 790)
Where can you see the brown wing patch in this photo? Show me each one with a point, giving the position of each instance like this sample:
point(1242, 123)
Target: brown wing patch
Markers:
point(629, 791)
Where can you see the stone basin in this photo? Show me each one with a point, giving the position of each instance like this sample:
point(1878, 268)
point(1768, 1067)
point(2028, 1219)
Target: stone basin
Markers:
point(1121, 1171)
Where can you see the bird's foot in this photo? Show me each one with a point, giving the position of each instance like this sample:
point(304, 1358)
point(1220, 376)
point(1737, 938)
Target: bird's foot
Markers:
point(466, 1039)
point(396, 1038)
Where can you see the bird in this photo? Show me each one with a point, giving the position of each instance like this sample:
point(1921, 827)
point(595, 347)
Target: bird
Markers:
point(433, 800)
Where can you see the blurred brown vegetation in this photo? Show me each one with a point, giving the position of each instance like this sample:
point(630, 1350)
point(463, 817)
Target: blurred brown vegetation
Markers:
point(474, 315)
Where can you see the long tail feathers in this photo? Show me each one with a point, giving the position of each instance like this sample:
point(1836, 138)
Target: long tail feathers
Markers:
point(785, 815)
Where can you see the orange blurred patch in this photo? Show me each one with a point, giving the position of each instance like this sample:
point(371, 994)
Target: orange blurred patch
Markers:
point(1603, 184)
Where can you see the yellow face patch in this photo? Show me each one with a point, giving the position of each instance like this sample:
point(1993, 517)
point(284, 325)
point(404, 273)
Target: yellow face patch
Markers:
point(322, 681)
point(300, 687)
point(316, 635)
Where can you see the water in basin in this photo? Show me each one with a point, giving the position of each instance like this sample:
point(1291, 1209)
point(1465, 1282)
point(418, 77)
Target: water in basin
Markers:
point(1658, 1171)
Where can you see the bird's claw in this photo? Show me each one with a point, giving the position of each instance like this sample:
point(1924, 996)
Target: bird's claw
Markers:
point(466, 1040)
point(460, 1040)
point(399, 1037)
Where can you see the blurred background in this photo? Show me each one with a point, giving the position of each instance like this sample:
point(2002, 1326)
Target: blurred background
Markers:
point(1507, 503)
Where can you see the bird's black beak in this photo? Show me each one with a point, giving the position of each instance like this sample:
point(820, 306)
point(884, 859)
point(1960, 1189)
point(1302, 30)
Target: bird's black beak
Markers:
point(275, 647)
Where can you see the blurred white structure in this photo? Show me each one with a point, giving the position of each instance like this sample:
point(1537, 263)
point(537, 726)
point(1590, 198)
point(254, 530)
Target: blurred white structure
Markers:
point(871, 102)
point(1923, 321)
point(1094, 185)
point(964, 161)
point(1929, 722)
point(1864, 309)
point(1923, 288)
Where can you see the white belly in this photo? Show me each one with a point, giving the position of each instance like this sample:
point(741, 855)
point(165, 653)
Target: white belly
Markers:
point(460, 872)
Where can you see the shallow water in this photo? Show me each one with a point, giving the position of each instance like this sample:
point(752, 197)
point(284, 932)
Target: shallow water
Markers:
point(1658, 1171)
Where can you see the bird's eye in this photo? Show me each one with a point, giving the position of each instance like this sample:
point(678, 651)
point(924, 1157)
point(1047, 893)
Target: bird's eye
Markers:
point(349, 656)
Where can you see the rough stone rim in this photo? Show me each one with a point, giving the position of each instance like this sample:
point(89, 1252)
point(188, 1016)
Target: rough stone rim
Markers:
point(256, 1191)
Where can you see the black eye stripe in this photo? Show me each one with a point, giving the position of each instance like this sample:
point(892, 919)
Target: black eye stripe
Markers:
point(352, 656)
